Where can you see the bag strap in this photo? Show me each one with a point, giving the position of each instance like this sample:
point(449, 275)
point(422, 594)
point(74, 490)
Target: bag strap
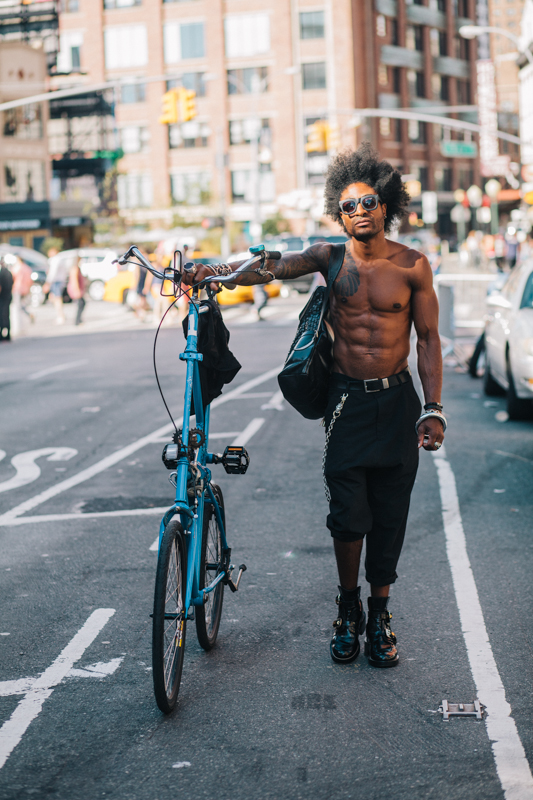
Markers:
point(336, 261)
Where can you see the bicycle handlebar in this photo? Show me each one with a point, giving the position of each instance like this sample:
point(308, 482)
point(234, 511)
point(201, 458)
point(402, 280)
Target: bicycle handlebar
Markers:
point(264, 255)
point(134, 251)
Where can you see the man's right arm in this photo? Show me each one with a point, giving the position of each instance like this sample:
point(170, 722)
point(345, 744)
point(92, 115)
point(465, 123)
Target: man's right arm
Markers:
point(290, 266)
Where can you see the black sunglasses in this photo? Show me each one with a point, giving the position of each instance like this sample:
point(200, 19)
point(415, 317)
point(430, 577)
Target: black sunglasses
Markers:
point(369, 202)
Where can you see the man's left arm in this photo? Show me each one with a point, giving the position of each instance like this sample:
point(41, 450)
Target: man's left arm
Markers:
point(425, 309)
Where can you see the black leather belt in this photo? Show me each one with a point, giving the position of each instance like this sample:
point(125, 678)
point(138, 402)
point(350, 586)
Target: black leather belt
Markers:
point(371, 384)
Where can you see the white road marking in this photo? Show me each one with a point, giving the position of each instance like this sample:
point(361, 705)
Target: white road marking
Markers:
point(2, 454)
point(513, 455)
point(31, 705)
point(181, 764)
point(276, 402)
point(58, 368)
point(28, 471)
point(77, 515)
point(250, 430)
point(99, 670)
point(511, 763)
point(90, 410)
point(122, 453)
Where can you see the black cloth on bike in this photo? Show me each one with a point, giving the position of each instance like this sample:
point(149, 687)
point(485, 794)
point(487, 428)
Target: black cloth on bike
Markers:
point(218, 366)
point(6, 287)
point(371, 465)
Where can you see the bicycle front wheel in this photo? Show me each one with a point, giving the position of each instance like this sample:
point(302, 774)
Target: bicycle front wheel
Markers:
point(208, 616)
point(169, 618)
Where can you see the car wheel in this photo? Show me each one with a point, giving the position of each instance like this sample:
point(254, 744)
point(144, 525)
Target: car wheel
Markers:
point(517, 408)
point(490, 387)
point(96, 290)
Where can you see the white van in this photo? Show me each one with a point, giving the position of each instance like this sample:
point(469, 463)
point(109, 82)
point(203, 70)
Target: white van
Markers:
point(96, 265)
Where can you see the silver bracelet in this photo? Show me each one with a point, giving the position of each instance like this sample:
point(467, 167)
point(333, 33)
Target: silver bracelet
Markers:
point(427, 415)
point(221, 269)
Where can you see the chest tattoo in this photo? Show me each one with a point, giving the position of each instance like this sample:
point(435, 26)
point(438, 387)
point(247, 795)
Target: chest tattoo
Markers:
point(348, 284)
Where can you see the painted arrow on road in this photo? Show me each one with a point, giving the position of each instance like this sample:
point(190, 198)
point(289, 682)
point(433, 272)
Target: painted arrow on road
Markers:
point(28, 471)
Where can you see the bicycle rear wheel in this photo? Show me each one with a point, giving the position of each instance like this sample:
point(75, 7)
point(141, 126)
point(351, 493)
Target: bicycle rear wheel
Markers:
point(169, 618)
point(208, 616)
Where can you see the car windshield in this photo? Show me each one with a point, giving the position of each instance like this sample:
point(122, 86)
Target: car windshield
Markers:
point(527, 297)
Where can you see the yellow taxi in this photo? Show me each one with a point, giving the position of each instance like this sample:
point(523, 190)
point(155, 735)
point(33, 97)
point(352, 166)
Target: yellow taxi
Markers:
point(244, 294)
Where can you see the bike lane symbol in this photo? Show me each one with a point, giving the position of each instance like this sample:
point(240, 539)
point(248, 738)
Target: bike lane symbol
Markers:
point(27, 470)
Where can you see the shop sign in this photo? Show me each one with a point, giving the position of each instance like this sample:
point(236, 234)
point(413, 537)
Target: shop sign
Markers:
point(20, 224)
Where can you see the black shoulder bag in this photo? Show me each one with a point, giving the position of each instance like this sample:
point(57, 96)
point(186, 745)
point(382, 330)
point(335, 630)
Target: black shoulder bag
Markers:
point(304, 378)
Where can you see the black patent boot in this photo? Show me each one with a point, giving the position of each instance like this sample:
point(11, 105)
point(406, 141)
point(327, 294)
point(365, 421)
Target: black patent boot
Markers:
point(348, 626)
point(380, 642)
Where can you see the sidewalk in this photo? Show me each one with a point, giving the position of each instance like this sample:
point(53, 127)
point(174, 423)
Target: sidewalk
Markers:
point(97, 316)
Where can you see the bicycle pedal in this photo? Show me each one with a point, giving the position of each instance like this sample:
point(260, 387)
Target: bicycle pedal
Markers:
point(235, 460)
point(235, 586)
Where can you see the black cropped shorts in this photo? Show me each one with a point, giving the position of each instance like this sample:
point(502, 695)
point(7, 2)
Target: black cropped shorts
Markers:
point(370, 469)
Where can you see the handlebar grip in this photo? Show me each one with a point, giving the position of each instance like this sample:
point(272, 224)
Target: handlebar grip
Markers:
point(274, 255)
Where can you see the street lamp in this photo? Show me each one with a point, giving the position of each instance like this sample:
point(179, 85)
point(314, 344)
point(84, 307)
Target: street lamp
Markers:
point(472, 31)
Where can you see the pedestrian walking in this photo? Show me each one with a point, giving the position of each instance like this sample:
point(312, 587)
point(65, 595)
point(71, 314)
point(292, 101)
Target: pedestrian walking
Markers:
point(373, 420)
point(56, 280)
point(260, 299)
point(76, 289)
point(6, 295)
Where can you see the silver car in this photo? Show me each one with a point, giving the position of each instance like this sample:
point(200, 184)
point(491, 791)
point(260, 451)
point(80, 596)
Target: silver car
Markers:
point(509, 342)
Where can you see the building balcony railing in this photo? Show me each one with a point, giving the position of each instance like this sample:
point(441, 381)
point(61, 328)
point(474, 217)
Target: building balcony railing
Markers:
point(422, 15)
point(454, 67)
point(394, 56)
point(389, 8)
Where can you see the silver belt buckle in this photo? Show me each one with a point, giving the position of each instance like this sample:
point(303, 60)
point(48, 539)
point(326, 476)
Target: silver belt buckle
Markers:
point(372, 380)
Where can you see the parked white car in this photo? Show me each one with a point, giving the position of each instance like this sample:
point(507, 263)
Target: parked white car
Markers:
point(96, 265)
point(509, 342)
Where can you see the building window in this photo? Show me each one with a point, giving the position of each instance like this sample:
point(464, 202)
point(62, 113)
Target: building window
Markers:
point(463, 93)
point(188, 134)
point(312, 25)
point(381, 26)
point(194, 81)
point(396, 80)
point(243, 131)
point(183, 41)
point(443, 179)
point(133, 93)
point(135, 191)
point(190, 188)
point(443, 43)
point(125, 46)
point(314, 75)
point(462, 48)
point(441, 5)
point(466, 177)
point(396, 126)
point(248, 80)
point(444, 93)
point(24, 181)
point(243, 185)
point(69, 56)
point(24, 122)
point(394, 39)
point(383, 75)
point(134, 138)
point(121, 3)
point(421, 174)
point(70, 6)
point(246, 35)
point(415, 82)
point(413, 37)
point(416, 131)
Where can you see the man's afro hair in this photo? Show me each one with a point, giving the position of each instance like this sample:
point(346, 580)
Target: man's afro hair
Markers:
point(364, 166)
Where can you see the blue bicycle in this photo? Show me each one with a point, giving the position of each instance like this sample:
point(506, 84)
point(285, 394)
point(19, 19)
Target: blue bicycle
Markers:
point(194, 562)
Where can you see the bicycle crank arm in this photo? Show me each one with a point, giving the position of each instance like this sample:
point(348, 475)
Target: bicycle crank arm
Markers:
point(235, 586)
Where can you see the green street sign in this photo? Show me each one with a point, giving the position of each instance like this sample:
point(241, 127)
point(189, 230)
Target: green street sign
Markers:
point(453, 148)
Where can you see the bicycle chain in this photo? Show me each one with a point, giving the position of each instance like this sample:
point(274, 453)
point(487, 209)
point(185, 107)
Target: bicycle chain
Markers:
point(334, 418)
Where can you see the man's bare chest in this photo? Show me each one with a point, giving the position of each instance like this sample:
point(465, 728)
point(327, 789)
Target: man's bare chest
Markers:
point(381, 288)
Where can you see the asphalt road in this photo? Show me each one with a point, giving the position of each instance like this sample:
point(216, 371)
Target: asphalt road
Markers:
point(266, 714)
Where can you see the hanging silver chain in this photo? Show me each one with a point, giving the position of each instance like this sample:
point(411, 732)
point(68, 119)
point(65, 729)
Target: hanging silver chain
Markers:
point(336, 415)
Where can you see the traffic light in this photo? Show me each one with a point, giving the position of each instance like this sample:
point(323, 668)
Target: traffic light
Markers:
point(170, 108)
point(332, 137)
point(316, 137)
point(186, 104)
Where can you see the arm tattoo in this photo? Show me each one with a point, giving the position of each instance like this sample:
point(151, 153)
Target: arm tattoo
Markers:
point(293, 265)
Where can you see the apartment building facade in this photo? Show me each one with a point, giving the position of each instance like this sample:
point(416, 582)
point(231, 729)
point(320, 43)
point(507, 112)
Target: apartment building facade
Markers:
point(415, 59)
point(269, 65)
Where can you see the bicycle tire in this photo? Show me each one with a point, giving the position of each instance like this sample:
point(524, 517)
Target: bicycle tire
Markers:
point(168, 632)
point(208, 616)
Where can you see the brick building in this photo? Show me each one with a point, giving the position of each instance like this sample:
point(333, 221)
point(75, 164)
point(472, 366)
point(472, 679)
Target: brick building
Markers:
point(415, 58)
point(285, 63)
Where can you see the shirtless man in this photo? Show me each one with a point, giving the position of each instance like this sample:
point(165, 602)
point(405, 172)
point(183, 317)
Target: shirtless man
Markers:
point(372, 457)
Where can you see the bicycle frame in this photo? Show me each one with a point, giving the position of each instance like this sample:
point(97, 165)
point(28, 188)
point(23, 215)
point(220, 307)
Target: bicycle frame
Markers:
point(192, 518)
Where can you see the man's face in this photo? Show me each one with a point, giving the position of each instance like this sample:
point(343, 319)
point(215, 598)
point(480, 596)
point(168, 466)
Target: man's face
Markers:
point(362, 225)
